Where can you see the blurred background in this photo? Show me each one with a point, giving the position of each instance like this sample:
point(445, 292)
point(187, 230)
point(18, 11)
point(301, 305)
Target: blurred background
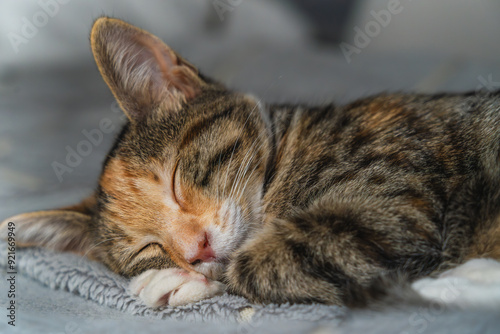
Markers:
point(313, 51)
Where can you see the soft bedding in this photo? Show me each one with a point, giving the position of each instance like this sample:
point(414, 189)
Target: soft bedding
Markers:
point(65, 293)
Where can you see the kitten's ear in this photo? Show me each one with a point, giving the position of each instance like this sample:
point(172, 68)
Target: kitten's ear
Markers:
point(142, 72)
point(66, 229)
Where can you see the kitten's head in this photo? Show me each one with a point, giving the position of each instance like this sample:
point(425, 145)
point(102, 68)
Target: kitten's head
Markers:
point(182, 185)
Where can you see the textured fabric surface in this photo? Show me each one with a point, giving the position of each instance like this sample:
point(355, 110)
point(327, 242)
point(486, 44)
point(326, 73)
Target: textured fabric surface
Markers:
point(92, 281)
point(64, 293)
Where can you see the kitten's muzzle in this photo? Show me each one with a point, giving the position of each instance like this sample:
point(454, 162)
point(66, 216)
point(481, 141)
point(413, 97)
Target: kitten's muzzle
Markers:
point(203, 253)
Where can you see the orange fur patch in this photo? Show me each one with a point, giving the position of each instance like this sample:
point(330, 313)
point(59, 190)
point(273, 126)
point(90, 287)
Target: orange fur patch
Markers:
point(146, 209)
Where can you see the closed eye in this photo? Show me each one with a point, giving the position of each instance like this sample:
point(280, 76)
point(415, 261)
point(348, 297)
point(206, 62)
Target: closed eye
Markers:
point(151, 244)
point(176, 187)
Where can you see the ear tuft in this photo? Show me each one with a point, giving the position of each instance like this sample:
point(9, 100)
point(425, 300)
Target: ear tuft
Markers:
point(142, 72)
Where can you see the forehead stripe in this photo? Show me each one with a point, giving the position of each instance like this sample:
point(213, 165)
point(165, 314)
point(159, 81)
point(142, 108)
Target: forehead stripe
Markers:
point(201, 126)
point(219, 159)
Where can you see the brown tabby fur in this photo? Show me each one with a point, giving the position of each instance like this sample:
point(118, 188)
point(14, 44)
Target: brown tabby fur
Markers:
point(331, 198)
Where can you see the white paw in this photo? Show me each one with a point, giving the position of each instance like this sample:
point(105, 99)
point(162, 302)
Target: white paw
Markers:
point(475, 283)
point(485, 271)
point(173, 287)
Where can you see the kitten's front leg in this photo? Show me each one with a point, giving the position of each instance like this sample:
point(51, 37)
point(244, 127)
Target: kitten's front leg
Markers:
point(329, 255)
point(278, 265)
point(174, 287)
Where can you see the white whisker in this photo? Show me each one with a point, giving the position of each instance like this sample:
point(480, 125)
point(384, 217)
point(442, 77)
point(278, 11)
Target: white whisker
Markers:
point(239, 174)
point(94, 246)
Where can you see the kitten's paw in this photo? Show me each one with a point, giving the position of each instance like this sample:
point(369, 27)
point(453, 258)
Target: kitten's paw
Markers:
point(475, 283)
point(173, 287)
point(484, 270)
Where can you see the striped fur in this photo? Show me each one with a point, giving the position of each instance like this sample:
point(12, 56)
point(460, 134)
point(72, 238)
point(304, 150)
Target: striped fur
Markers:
point(299, 204)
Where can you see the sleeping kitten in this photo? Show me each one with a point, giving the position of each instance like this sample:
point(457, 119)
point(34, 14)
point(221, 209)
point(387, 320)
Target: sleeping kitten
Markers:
point(207, 190)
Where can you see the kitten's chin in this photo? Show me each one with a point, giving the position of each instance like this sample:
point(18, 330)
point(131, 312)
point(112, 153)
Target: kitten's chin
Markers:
point(212, 270)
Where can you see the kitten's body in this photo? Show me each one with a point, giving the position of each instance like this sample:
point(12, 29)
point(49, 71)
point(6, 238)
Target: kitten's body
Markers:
point(393, 183)
point(282, 203)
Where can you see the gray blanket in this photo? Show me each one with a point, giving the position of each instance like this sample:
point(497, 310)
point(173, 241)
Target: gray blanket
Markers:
point(93, 281)
point(65, 293)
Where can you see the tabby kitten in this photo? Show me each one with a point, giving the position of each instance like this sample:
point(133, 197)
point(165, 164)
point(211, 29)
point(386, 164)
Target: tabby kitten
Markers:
point(207, 190)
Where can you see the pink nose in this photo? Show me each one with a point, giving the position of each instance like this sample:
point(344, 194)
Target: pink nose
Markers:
point(204, 253)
